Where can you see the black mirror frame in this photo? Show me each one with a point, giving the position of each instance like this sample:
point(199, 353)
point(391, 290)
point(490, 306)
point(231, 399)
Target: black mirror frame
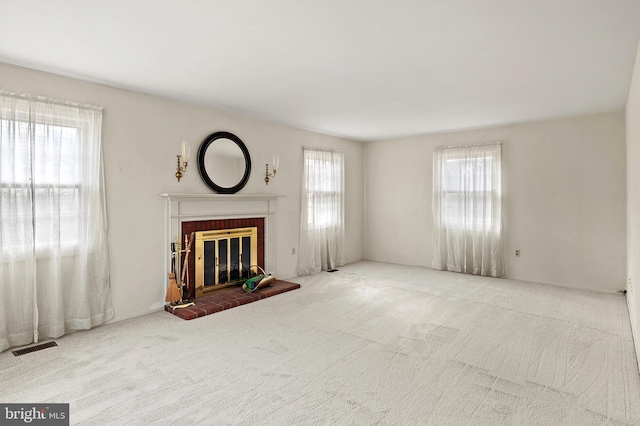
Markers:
point(203, 172)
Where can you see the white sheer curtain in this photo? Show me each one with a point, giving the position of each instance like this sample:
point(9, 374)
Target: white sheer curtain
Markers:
point(467, 212)
point(322, 212)
point(54, 273)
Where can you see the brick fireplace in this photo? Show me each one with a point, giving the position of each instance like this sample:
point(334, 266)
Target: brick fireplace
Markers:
point(221, 224)
point(186, 213)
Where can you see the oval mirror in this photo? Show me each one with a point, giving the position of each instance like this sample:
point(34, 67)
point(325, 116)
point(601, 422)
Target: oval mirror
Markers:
point(224, 162)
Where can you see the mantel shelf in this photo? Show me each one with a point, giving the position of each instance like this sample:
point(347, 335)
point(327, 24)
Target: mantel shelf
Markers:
point(221, 197)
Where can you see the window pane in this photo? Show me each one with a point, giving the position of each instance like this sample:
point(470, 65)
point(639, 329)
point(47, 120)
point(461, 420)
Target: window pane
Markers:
point(14, 152)
point(467, 186)
point(15, 208)
point(40, 180)
point(56, 217)
point(323, 179)
point(55, 155)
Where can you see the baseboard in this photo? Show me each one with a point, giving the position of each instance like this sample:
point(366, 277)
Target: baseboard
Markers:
point(565, 285)
point(135, 315)
point(634, 335)
point(528, 280)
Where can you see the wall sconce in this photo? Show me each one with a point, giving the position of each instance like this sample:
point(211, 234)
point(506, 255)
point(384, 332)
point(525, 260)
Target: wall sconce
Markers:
point(274, 165)
point(182, 166)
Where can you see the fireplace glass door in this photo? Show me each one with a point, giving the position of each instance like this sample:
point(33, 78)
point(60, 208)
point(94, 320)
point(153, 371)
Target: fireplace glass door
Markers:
point(224, 257)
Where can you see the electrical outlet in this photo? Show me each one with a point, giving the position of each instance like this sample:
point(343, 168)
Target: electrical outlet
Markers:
point(517, 253)
point(293, 250)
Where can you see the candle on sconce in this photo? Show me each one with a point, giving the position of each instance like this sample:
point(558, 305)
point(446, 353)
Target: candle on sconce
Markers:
point(186, 151)
point(275, 162)
point(183, 159)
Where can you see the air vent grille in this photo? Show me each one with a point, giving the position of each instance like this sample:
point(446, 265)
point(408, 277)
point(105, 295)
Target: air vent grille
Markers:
point(34, 348)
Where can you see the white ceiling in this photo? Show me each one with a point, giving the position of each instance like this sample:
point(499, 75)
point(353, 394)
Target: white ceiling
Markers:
point(360, 69)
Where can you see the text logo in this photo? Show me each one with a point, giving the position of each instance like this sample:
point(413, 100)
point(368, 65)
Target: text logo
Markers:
point(34, 414)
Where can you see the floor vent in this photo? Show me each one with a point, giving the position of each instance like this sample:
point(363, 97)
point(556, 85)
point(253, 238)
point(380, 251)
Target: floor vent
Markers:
point(332, 270)
point(34, 348)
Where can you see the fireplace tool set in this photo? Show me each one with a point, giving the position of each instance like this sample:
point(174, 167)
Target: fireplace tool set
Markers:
point(178, 295)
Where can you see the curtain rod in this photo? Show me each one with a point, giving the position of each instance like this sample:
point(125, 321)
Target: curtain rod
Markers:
point(321, 149)
point(52, 101)
point(468, 145)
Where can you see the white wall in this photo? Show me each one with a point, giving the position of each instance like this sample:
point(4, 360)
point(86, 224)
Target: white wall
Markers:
point(633, 202)
point(564, 187)
point(141, 137)
point(563, 207)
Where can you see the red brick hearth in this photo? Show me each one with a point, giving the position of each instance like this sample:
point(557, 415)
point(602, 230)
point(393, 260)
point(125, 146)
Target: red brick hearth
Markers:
point(229, 298)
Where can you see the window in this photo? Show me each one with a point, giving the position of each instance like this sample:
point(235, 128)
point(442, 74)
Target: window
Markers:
point(322, 212)
point(467, 211)
point(40, 168)
point(54, 270)
point(50, 184)
point(467, 188)
point(324, 188)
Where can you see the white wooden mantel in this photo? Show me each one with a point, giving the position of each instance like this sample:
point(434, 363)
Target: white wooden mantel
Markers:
point(190, 207)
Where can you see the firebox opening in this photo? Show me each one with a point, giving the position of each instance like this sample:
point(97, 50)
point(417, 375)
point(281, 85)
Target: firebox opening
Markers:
point(224, 257)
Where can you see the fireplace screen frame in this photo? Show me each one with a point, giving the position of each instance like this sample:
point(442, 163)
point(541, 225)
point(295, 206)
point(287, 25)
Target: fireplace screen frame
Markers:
point(233, 260)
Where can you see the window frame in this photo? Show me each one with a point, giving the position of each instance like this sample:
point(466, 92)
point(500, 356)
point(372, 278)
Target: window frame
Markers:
point(463, 194)
point(333, 190)
point(46, 248)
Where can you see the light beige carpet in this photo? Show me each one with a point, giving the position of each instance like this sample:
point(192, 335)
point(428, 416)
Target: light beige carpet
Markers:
point(371, 344)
